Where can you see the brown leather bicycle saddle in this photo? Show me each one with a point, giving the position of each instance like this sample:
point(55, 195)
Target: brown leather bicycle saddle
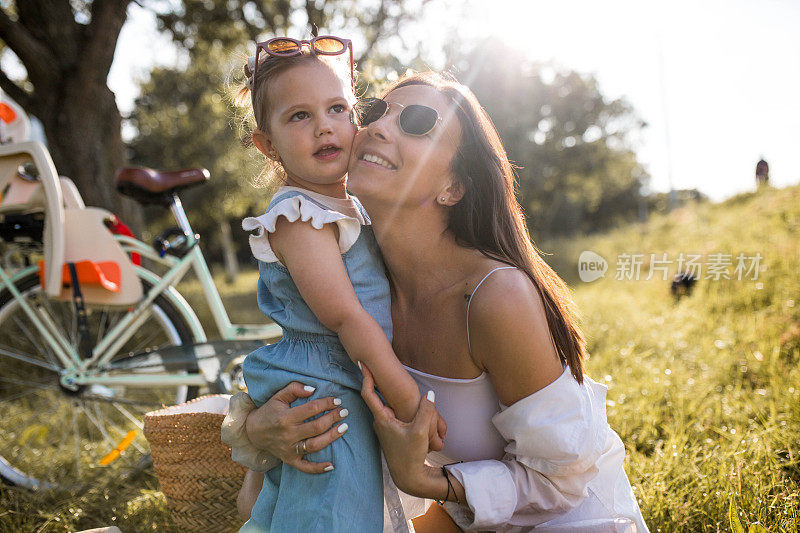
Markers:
point(149, 186)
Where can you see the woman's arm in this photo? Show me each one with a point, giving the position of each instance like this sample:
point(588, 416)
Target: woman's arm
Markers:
point(405, 446)
point(314, 261)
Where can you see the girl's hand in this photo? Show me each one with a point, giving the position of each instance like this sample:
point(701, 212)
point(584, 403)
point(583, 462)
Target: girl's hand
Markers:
point(404, 444)
point(277, 428)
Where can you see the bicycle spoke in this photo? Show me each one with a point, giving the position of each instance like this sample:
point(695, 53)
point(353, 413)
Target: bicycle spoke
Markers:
point(20, 395)
point(31, 338)
point(112, 320)
point(25, 425)
point(27, 359)
point(128, 415)
point(123, 433)
point(146, 343)
point(77, 441)
point(101, 329)
point(28, 383)
point(73, 330)
point(100, 428)
point(61, 317)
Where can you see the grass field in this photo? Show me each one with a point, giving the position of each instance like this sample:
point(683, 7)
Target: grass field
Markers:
point(705, 392)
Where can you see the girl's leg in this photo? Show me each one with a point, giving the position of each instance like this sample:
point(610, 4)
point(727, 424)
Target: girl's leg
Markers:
point(248, 493)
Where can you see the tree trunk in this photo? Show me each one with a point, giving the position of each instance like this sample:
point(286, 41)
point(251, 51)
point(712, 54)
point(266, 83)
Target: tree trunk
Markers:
point(228, 251)
point(67, 64)
point(84, 135)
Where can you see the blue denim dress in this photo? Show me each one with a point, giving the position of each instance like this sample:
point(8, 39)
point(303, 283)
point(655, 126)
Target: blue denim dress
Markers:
point(349, 498)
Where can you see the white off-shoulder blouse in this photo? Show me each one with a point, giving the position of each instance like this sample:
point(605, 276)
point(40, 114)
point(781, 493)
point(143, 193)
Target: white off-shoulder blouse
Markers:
point(561, 470)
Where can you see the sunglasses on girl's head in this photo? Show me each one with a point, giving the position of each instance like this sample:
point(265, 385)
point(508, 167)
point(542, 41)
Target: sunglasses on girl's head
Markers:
point(414, 119)
point(326, 45)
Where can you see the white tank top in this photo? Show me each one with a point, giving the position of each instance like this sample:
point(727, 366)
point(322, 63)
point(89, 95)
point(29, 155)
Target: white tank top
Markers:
point(467, 406)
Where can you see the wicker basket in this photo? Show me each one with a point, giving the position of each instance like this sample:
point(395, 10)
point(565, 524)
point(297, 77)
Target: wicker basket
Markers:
point(194, 466)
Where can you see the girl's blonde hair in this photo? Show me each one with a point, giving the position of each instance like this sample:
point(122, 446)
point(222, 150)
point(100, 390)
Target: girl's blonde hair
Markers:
point(255, 96)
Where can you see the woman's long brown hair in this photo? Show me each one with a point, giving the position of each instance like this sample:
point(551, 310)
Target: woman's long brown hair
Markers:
point(489, 218)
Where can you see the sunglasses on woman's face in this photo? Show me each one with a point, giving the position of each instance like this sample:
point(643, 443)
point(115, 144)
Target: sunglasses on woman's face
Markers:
point(414, 119)
point(326, 45)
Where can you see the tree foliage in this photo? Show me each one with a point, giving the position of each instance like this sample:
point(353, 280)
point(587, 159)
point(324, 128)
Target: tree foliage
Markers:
point(572, 146)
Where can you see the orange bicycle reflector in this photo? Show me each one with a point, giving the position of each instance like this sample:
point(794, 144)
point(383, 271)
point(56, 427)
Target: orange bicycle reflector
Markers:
point(114, 454)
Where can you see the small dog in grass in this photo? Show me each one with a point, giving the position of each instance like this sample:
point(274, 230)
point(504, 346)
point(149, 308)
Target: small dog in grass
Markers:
point(682, 285)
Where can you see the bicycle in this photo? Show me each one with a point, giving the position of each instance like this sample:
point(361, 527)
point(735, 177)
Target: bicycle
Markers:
point(80, 364)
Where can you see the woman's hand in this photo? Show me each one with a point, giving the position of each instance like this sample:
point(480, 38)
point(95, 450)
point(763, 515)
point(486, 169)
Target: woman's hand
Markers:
point(405, 444)
point(281, 430)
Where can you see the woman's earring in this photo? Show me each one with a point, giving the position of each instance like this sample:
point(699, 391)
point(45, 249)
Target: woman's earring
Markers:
point(442, 199)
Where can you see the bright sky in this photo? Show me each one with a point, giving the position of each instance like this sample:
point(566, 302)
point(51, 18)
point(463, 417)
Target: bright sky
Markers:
point(718, 81)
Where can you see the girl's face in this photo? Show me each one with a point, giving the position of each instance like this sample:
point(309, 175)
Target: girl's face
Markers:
point(309, 125)
point(412, 171)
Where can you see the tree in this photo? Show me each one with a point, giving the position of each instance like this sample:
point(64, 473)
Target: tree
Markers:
point(577, 172)
point(67, 49)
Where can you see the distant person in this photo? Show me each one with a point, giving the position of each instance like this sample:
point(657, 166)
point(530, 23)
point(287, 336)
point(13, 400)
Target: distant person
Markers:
point(762, 173)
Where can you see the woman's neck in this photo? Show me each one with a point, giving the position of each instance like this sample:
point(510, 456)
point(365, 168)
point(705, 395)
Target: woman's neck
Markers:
point(421, 266)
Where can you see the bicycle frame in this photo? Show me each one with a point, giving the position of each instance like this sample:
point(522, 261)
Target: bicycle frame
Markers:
point(79, 371)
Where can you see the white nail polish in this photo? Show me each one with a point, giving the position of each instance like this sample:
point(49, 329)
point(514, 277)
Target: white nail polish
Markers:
point(342, 428)
point(328, 468)
point(309, 388)
point(431, 396)
point(344, 412)
point(337, 401)
point(359, 365)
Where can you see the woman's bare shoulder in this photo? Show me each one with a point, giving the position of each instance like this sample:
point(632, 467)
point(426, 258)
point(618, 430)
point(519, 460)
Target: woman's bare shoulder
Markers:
point(510, 335)
point(505, 289)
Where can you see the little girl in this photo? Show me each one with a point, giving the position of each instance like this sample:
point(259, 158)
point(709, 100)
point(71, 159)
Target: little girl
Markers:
point(323, 281)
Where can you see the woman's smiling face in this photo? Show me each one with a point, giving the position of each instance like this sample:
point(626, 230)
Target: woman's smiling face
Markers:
point(389, 168)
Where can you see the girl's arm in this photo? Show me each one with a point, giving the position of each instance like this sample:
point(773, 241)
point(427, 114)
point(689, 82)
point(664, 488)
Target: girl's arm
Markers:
point(314, 261)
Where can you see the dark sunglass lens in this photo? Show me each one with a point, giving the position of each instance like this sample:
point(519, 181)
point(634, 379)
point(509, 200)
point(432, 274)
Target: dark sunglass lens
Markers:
point(373, 110)
point(418, 119)
point(329, 45)
point(283, 46)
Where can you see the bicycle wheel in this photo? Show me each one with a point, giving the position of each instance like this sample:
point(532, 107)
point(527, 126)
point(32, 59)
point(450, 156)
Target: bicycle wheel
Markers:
point(54, 437)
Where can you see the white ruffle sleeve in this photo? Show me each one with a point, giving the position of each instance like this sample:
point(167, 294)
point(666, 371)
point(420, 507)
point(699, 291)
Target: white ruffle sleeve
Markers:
point(555, 439)
point(295, 208)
